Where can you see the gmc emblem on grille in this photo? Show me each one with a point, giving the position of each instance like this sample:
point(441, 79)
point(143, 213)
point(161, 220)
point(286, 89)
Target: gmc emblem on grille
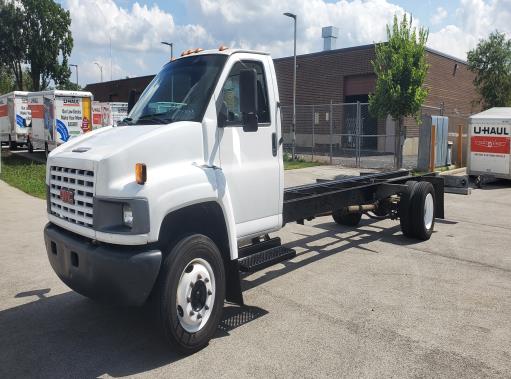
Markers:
point(67, 196)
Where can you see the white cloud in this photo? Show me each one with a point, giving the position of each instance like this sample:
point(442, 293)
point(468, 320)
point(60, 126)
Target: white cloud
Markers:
point(476, 19)
point(135, 31)
point(439, 16)
point(260, 24)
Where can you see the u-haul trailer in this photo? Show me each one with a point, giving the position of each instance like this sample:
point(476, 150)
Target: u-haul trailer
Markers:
point(59, 116)
point(490, 144)
point(15, 119)
point(119, 111)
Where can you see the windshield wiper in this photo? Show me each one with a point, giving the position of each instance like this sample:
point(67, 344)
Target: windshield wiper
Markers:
point(125, 121)
point(153, 117)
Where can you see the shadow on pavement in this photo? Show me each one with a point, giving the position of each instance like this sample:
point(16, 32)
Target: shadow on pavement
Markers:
point(365, 233)
point(68, 335)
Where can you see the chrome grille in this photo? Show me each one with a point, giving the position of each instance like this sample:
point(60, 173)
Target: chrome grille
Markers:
point(81, 182)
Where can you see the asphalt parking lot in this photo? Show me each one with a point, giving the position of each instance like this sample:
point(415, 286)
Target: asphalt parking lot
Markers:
point(363, 302)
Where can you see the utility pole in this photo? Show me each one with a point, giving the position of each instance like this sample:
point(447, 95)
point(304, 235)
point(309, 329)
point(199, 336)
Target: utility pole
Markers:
point(100, 70)
point(76, 67)
point(294, 17)
point(171, 44)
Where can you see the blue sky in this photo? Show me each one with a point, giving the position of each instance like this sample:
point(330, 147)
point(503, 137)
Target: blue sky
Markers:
point(135, 28)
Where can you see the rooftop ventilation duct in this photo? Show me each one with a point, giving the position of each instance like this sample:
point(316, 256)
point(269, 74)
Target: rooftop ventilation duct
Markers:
point(329, 35)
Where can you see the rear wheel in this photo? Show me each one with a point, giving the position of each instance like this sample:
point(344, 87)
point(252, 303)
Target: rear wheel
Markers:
point(346, 219)
point(417, 211)
point(46, 150)
point(404, 208)
point(30, 146)
point(191, 293)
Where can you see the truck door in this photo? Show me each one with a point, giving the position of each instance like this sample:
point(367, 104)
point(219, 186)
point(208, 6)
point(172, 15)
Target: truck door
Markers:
point(249, 160)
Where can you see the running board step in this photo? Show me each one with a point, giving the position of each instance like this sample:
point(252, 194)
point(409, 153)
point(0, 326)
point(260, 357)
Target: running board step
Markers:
point(265, 258)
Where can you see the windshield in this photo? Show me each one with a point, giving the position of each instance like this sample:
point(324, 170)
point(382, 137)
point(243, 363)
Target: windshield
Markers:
point(180, 91)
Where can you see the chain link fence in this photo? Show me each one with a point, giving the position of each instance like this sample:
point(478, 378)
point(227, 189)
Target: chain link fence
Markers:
point(346, 134)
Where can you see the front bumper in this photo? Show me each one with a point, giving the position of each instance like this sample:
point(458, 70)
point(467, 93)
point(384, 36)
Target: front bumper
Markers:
point(116, 274)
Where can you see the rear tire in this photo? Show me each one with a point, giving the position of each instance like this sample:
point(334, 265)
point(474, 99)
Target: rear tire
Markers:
point(30, 146)
point(404, 208)
point(346, 219)
point(191, 293)
point(46, 150)
point(417, 211)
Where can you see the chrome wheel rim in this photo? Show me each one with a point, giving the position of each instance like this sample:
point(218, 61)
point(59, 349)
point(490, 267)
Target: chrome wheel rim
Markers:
point(429, 210)
point(195, 295)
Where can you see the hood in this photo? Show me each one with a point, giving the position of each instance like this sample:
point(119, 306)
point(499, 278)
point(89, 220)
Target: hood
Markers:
point(114, 151)
point(102, 142)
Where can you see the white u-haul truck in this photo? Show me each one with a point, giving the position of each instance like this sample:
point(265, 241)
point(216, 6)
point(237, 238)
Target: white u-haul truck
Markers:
point(59, 116)
point(15, 119)
point(489, 152)
point(179, 200)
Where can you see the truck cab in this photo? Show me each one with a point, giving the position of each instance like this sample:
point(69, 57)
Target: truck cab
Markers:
point(204, 172)
point(175, 201)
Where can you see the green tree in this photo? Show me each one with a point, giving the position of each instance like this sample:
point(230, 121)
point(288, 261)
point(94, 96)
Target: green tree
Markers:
point(491, 62)
point(12, 43)
point(49, 42)
point(401, 69)
point(69, 86)
point(7, 83)
point(36, 33)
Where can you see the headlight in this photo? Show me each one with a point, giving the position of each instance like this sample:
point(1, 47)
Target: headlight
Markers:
point(127, 215)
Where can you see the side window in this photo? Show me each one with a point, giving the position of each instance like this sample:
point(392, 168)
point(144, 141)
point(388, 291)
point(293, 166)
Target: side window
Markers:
point(231, 93)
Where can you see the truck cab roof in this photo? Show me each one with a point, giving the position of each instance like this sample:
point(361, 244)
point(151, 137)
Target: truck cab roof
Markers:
point(220, 51)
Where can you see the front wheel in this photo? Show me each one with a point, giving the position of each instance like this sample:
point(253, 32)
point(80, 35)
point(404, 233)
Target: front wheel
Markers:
point(191, 293)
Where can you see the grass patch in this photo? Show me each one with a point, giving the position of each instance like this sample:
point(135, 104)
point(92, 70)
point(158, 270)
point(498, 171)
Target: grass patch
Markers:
point(297, 163)
point(24, 174)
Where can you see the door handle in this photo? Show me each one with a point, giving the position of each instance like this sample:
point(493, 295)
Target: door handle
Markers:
point(274, 144)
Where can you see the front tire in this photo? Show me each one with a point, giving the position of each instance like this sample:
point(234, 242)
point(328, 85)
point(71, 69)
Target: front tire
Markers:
point(191, 293)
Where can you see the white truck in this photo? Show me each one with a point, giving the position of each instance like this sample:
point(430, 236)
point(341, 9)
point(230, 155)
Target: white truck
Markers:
point(119, 111)
point(179, 200)
point(15, 119)
point(489, 148)
point(59, 116)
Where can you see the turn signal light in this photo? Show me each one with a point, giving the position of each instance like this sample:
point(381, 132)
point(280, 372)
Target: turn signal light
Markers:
point(141, 173)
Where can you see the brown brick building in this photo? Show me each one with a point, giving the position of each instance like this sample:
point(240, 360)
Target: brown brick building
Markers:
point(344, 76)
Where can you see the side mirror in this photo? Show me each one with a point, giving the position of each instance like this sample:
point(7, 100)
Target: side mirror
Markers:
point(248, 99)
point(132, 99)
point(221, 114)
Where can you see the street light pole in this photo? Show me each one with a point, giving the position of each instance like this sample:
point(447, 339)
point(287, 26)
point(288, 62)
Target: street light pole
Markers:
point(294, 17)
point(75, 66)
point(100, 70)
point(171, 44)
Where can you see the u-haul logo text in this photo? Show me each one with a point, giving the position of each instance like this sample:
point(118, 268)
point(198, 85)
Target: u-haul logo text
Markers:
point(494, 130)
point(71, 102)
